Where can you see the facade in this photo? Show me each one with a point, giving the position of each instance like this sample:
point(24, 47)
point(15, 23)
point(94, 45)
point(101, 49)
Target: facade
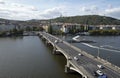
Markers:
point(67, 27)
point(45, 27)
point(6, 27)
point(55, 26)
point(70, 27)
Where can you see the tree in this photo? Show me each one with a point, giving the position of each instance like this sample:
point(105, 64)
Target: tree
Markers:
point(14, 31)
point(50, 30)
point(104, 32)
point(2, 33)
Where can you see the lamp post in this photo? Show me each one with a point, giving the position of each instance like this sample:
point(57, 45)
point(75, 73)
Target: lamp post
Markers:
point(98, 55)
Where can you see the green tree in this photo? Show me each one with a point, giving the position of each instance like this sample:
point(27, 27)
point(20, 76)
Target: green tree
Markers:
point(2, 33)
point(50, 30)
point(104, 32)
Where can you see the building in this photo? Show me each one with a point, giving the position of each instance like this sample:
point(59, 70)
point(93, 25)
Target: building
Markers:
point(104, 27)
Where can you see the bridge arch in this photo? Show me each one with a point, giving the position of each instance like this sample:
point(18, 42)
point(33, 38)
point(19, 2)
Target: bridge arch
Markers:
point(63, 53)
point(74, 69)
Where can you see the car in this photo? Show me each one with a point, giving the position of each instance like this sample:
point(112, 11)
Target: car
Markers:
point(98, 72)
point(69, 58)
point(56, 41)
point(76, 58)
point(80, 54)
point(103, 76)
point(100, 66)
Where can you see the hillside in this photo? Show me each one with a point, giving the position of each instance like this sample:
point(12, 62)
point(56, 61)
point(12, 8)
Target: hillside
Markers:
point(89, 19)
point(86, 19)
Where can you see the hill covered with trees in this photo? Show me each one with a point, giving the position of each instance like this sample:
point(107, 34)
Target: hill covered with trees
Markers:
point(89, 19)
point(85, 19)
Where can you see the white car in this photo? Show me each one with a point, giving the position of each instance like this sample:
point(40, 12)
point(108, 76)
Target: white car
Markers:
point(56, 41)
point(99, 72)
point(76, 58)
point(69, 58)
point(80, 54)
point(100, 66)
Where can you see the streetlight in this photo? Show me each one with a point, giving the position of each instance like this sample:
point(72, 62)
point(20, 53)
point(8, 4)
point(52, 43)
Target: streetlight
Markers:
point(98, 55)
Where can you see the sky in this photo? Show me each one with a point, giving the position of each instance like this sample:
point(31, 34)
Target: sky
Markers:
point(46, 9)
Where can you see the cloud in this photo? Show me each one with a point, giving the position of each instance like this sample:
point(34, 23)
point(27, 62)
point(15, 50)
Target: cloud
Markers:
point(52, 13)
point(2, 2)
point(18, 11)
point(85, 9)
point(89, 9)
point(110, 6)
point(114, 12)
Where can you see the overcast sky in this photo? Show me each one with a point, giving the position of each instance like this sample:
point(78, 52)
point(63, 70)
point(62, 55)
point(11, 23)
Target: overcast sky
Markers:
point(44, 9)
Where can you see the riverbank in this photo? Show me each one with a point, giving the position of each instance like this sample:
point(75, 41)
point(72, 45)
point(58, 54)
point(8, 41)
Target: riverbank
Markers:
point(104, 32)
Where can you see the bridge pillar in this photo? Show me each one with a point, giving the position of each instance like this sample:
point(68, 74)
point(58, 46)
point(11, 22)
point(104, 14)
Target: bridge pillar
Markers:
point(54, 50)
point(68, 64)
point(43, 38)
point(40, 35)
point(67, 67)
point(46, 42)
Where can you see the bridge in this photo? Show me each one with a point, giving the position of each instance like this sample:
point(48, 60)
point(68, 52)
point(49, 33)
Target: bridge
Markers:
point(84, 63)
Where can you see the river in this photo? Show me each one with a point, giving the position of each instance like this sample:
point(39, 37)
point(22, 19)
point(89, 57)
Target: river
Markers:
point(29, 57)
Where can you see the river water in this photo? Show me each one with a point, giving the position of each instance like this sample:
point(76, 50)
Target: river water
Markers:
point(29, 57)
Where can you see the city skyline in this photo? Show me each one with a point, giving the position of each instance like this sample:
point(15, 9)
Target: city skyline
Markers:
point(45, 9)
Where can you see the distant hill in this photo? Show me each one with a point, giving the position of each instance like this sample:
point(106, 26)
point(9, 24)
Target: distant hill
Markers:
point(89, 19)
point(8, 21)
point(86, 19)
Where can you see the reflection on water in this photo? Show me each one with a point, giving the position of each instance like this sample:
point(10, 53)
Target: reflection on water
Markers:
point(28, 57)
